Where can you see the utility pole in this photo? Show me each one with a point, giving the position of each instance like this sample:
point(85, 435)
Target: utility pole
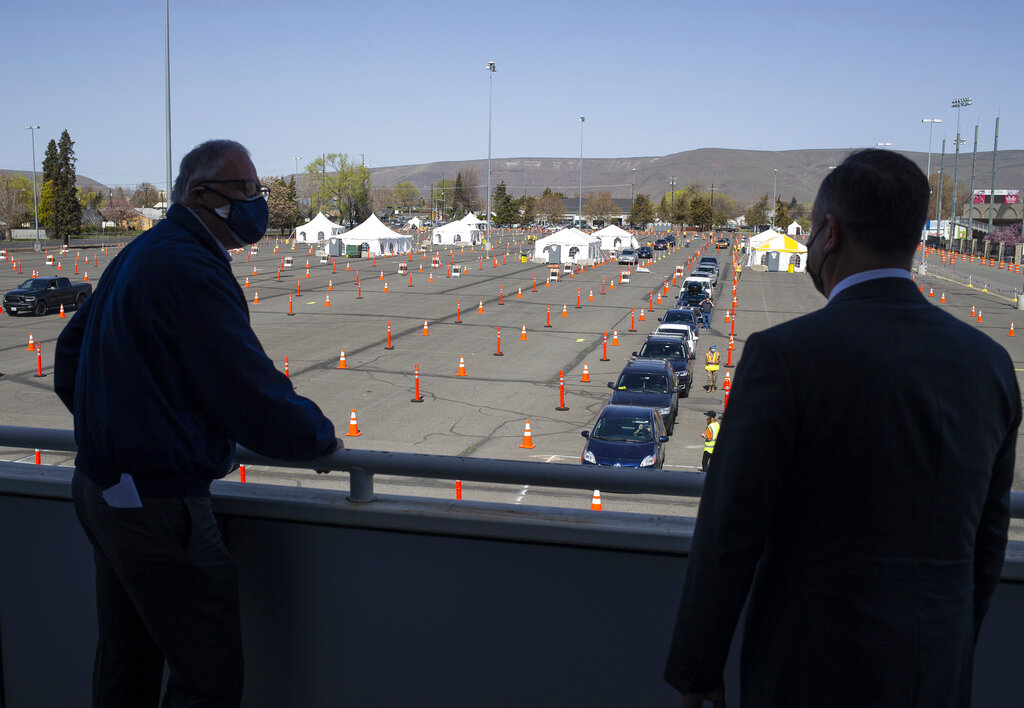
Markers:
point(992, 196)
point(957, 104)
point(938, 202)
point(974, 163)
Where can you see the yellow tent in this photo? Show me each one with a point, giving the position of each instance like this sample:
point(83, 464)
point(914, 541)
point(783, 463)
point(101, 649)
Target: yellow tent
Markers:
point(778, 252)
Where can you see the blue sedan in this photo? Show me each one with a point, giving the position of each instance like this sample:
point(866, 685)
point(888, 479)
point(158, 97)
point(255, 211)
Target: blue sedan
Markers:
point(626, 436)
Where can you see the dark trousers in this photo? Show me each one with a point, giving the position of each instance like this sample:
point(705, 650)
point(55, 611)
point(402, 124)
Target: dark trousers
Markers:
point(166, 589)
point(705, 461)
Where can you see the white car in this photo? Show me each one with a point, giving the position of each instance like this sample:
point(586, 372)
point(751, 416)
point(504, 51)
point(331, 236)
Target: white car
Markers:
point(627, 256)
point(688, 336)
point(704, 282)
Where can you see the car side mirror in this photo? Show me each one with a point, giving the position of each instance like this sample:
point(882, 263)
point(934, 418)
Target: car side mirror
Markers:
point(585, 433)
point(659, 319)
point(611, 385)
point(663, 438)
point(635, 354)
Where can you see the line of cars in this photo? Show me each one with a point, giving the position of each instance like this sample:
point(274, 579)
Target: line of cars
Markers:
point(634, 428)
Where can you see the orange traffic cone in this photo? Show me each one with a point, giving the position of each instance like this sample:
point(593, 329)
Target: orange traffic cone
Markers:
point(565, 312)
point(527, 438)
point(1011, 334)
point(246, 282)
point(979, 315)
point(659, 299)
point(586, 374)
point(330, 285)
point(727, 318)
point(342, 364)
point(943, 298)
point(642, 318)
point(256, 299)
point(591, 298)
point(615, 337)
point(973, 313)
point(522, 337)
point(327, 302)
point(61, 311)
point(595, 502)
point(520, 293)
point(931, 292)
point(480, 309)
point(353, 426)
point(385, 286)
point(426, 330)
point(86, 278)
point(430, 279)
point(462, 367)
point(32, 343)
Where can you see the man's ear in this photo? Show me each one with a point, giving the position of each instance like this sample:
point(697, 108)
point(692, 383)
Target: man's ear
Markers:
point(834, 235)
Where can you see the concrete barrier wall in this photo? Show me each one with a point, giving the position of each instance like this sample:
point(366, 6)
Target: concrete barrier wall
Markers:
point(401, 601)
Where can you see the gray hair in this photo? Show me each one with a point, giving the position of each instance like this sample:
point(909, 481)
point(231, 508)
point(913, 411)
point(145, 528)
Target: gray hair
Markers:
point(202, 163)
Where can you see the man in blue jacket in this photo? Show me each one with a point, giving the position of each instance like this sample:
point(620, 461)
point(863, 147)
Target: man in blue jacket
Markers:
point(164, 374)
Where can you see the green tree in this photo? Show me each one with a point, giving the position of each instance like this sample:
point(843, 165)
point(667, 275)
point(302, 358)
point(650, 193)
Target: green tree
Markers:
point(642, 211)
point(700, 214)
point(550, 206)
point(527, 207)
point(781, 213)
point(51, 168)
point(145, 195)
point(341, 183)
point(406, 196)
point(442, 198)
point(458, 197)
point(91, 199)
point(15, 202)
point(67, 209)
point(46, 204)
point(757, 215)
point(505, 212)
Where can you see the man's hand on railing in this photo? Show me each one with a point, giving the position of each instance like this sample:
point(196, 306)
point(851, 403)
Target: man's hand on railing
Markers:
point(339, 444)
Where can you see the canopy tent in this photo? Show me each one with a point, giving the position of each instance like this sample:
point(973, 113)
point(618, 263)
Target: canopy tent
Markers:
point(317, 229)
point(614, 237)
point(414, 223)
point(568, 246)
point(794, 229)
point(766, 235)
point(378, 239)
point(463, 231)
point(472, 220)
point(778, 253)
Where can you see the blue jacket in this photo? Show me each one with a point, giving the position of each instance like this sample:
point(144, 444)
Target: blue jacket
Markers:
point(163, 372)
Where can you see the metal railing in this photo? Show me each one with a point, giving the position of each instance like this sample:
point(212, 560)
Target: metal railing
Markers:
point(362, 465)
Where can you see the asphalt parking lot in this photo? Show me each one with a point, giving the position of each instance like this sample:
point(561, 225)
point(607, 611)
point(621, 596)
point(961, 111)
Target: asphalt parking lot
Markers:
point(482, 414)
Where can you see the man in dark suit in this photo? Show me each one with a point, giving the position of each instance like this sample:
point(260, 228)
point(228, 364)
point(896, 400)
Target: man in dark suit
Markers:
point(857, 492)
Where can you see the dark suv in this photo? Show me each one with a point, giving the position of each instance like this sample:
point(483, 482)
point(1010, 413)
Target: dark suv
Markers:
point(673, 349)
point(645, 252)
point(651, 383)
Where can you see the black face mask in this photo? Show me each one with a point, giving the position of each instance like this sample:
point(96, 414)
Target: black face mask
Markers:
point(819, 285)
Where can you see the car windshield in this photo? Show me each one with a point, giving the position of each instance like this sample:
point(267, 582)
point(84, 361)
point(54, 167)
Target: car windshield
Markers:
point(665, 350)
point(33, 284)
point(643, 383)
point(673, 316)
point(624, 429)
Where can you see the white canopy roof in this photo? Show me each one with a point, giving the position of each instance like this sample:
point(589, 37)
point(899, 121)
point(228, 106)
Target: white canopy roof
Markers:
point(567, 246)
point(763, 236)
point(472, 219)
point(794, 229)
point(319, 228)
point(790, 252)
point(414, 222)
point(460, 232)
point(378, 237)
point(614, 237)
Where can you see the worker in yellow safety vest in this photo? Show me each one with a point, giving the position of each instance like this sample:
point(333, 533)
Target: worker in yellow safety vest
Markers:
point(710, 436)
point(711, 363)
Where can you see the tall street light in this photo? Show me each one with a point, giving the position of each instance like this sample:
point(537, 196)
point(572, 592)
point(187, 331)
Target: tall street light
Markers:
point(931, 125)
point(35, 200)
point(632, 189)
point(582, 121)
point(490, 92)
point(958, 103)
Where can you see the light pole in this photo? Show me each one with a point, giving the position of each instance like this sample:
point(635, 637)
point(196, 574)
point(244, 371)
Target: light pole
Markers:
point(671, 200)
point(632, 189)
point(942, 185)
point(775, 182)
point(490, 92)
point(958, 103)
point(582, 121)
point(931, 125)
point(35, 200)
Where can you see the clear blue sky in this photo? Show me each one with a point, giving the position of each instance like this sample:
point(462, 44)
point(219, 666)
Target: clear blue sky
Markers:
point(404, 82)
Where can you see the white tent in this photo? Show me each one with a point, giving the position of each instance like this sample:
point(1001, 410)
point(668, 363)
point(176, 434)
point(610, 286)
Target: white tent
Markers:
point(568, 246)
point(614, 237)
point(414, 223)
point(778, 252)
point(378, 238)
point(465, 231)
point(766, 235)
point(794, 229)
point(319, 228)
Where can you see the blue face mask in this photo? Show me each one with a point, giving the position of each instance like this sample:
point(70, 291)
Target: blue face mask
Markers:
point(247, 219)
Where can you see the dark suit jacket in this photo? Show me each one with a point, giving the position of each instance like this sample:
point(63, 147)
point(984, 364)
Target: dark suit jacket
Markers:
point(859, 491)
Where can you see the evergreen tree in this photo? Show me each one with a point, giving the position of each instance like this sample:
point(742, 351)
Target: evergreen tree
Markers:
point(757, 215)
point(642, 212)
point(459, 197)
point(700, 213)
point(67, 209)
point(505, 212)
point(51, 167)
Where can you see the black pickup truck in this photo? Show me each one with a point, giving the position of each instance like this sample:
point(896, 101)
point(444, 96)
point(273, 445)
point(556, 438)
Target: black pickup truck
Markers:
point(41, 295)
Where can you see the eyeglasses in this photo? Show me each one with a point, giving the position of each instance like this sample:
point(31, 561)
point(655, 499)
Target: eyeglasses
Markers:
point(249, 188)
